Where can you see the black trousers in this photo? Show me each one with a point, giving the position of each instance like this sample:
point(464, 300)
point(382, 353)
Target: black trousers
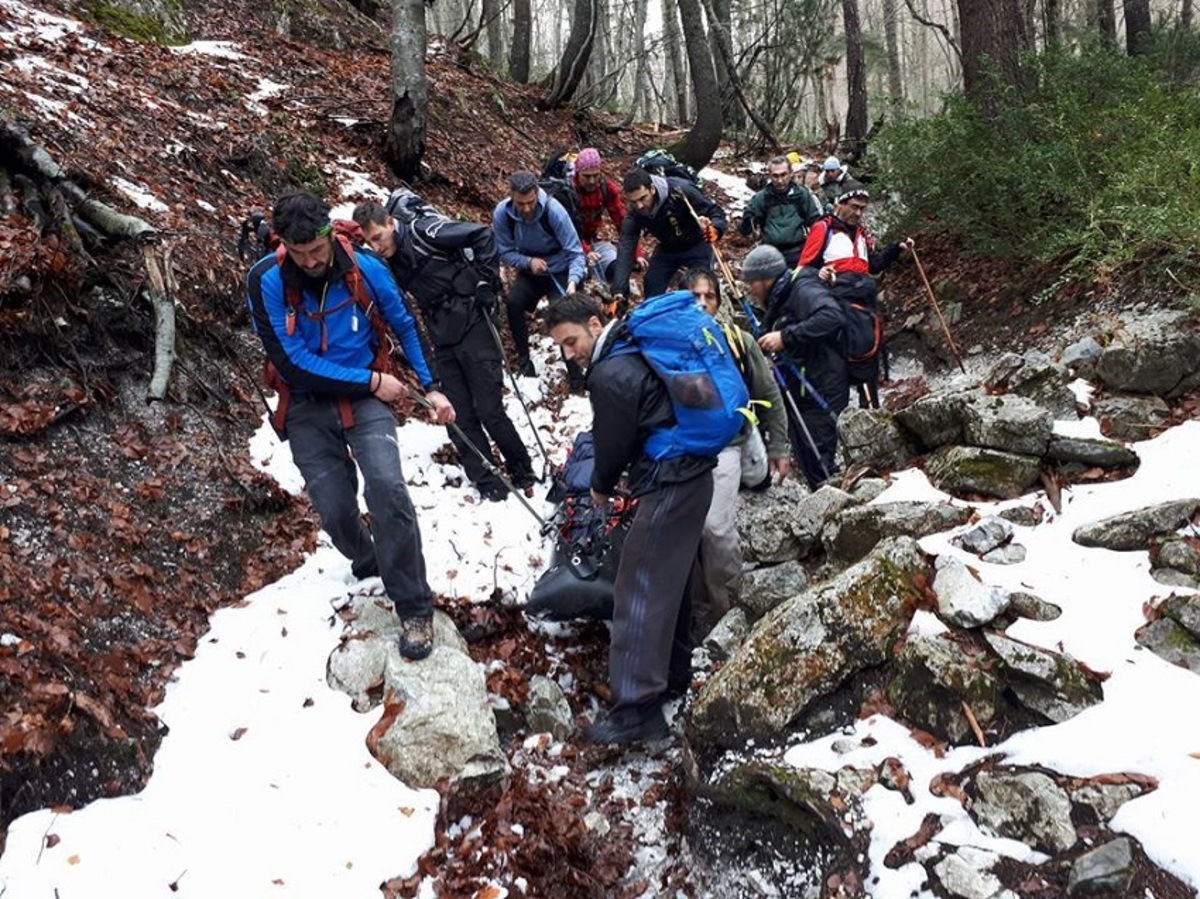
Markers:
point(523, 297)
point(473, 377)
point(814, 445)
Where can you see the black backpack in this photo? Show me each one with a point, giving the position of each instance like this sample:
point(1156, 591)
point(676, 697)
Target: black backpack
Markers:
point(561, 190)
point(659, 162)
point(257, 238)
point(560, 165)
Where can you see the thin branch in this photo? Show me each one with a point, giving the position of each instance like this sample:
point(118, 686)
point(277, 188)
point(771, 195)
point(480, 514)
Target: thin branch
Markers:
point(936, 26)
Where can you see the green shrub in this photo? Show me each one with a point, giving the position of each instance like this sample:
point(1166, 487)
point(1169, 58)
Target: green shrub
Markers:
point(1097, 165)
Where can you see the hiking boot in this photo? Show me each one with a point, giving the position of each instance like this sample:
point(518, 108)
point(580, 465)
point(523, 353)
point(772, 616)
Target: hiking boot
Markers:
point(416, 638)
point(525, 368)
point(493, 493)
point(524, 482)
point(619, 728)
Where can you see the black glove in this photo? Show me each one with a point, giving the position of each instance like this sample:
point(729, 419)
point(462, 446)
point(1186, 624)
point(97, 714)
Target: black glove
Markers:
point(485, 296)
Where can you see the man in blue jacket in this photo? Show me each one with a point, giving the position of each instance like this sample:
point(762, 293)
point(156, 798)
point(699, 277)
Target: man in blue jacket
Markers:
point(307, 309)
point(535, 236)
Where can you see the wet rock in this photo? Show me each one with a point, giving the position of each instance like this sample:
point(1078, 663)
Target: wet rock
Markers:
point(1035, 376)
point(1051, 684)
point(1150, 354)
point(814, 510)
point(1012, 554)
point(764, 521)
point(933, 677)
point(1027, 605)
point(1180, 555)
point(1171, 641)
point(1104, 871)
point(1011, 424)
point(1134, 530)
point(765, 588)
point(728, 635)
point(935, 420)
point(1089, 452)
point(1184, 610)
point(967, 874)
point(548, 711)
point(809, 645)
point(963, 599)
point(1027, 806)
point(1025, 516)
point(972, 470)
point(1131, 417)
point(871, 437)
point(809, 801)
point(445, 726)
point(988, 534)
point(1081, 356)
point(854, 532)
point(1169, 577)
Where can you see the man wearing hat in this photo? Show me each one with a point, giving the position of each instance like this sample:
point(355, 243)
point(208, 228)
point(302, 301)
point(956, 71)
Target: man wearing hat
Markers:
point(834, 180)
point(803, 328)
point(597, 194)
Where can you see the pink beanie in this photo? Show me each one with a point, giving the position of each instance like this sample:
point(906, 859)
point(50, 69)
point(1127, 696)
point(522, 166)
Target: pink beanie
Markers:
point(588, 160)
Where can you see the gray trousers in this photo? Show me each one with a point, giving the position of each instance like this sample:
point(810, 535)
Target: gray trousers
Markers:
point(326, 455)
point(651, 629)
point(718, 574)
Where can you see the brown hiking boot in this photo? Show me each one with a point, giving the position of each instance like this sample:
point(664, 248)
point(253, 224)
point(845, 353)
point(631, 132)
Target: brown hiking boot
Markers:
point(416, 638)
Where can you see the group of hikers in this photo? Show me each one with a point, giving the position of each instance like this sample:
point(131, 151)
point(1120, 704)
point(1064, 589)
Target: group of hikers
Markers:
point(323, 302)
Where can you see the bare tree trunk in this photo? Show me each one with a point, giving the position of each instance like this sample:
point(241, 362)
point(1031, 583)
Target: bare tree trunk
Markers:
point(704, 137)
point(892, 46)
point(1052, 22)
point(641, 99)
point(1185, 14)
point(674, 41)
point(1106, 21)
point(856, 80)
point(1137, 26)
point(491, 26)
point(576, 54)
point(720, 16)
point(518, 58)
point(992, 40)
point(405, 144)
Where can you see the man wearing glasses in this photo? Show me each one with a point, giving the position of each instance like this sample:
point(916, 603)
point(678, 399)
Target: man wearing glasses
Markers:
point(782, 212)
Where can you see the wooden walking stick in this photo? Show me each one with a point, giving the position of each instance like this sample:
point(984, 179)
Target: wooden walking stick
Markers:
point(938, 310)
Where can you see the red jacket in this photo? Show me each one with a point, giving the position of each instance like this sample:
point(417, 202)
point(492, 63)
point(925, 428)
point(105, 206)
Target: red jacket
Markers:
point(592, 207)
point(847, 248)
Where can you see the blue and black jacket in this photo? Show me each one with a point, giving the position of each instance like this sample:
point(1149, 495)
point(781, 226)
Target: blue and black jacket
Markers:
point(548, 235)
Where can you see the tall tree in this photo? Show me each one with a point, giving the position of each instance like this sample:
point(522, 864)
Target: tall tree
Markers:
point(856, 80)
point(892, 47)
point(1137, 26)
point(674, 41)
point(993, 37)
point(1052, 22)
point(405, 143)
point(576, 53)
point(704, 136)
point(493, 28)
point(518, 57)
point(1185, 14)
point(1106, 20)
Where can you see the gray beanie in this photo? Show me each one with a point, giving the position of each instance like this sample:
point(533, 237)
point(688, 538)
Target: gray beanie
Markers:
point(763, 263)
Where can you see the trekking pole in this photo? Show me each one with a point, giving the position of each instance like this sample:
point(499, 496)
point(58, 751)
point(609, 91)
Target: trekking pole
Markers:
point(792, 369)
point(488, 464)
point(512, 378)
point(938, 310)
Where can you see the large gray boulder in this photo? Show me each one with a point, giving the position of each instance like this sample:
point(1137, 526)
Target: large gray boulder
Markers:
point(1150, 354)
point(1172, 642)
point(1088, 452)
point(765, 523)
point(872, 437)
point(809, 645)
point(1011, 424)
point(1130, 531)
point(1027, 806)
point(437, 722)
point(932, 678)
point(765, 588)
point(963, 599)
point(936, 420)
point(1051, 684)
point(1104, 871)
point(989, 533)
point(854, 532)
point(814, 510)
point(985, 472)
point(1131, 417)
point(1179, 555)
point(1035, 376)
point(1080, 357)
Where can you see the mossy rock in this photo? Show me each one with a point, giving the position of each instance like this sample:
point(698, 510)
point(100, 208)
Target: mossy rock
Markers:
point(973, 470)
point(145, 21)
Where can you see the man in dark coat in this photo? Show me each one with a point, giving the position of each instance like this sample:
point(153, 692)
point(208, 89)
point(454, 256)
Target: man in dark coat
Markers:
point(650, 657)
point(804, 325)
point(452, 270)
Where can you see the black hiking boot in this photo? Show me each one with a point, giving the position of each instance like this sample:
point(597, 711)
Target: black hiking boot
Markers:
point(624, 726)
point(416, 638)
point(493, 493)
point(525, 368)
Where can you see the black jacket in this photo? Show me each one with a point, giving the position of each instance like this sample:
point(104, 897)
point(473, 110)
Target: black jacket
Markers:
point(670, 222)
point(629, 401)
point(812, 324)
point(451, 269)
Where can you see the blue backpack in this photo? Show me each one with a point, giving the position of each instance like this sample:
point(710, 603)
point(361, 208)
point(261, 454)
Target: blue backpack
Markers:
point(685, 347)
